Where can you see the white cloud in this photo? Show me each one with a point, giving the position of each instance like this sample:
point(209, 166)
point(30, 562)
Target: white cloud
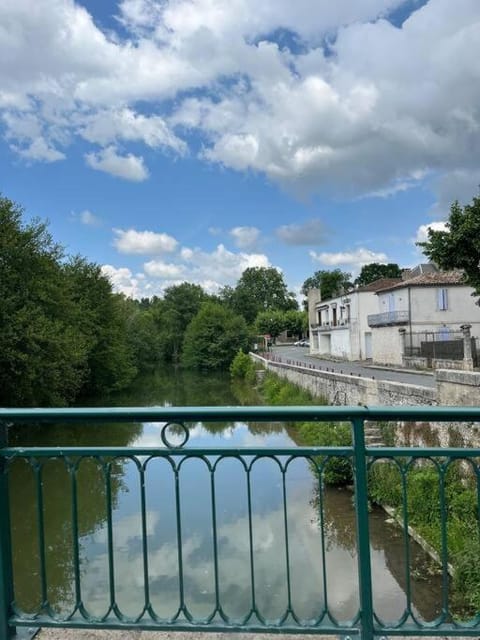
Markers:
point(123, 281)
point(307, 233)
point(366, 117)
point(110, 125)
point(159, 269)
point(129, 167)
point(221, 266)
point(422, 231)
point(356, 258)
point(39, 150)
point(87, 218)
point(210, 270)
point(143, 242)
point(245, 237)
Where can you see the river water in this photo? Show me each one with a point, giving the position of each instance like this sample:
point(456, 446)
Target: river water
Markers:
point(264, 532)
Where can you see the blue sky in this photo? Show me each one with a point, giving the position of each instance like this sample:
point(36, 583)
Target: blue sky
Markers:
point(176, 140)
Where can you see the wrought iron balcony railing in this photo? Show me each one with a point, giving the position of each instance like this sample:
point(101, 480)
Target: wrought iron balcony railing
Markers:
point(174, 457)
point(387, 318)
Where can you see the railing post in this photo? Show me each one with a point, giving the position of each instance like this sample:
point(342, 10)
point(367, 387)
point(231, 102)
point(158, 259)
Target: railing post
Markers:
point(363, 536)
point(6, 571)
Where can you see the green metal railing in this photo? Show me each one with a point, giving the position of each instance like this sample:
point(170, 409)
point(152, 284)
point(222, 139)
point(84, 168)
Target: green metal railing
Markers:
point(367, 622)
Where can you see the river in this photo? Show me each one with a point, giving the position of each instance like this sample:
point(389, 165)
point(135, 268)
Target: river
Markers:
point(231, 512)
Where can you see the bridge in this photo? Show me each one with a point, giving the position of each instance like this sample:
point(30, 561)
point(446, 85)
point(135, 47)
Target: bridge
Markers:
point(174, 425)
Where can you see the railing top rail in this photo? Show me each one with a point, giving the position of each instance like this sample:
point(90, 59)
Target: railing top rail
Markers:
point(257, 414)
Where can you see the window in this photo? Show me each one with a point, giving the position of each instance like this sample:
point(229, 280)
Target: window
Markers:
point(442, 299)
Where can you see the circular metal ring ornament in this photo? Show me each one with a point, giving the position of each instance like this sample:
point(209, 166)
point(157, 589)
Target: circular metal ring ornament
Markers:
point(166, 441)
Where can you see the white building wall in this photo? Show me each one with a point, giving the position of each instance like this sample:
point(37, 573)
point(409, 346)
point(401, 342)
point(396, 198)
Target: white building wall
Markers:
point(345, 341)
point(461, 309)
point(367, 305)
point(387, 345)
point(340, 343)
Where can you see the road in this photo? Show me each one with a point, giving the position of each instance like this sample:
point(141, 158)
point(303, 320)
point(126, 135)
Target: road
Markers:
point(301, 355)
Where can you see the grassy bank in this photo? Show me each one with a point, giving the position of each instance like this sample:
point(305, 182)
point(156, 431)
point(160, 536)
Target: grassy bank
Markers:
point(389, 484)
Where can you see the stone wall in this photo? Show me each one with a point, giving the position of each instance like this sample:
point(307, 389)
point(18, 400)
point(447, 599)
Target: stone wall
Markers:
point(345, 389)
point(458, 388)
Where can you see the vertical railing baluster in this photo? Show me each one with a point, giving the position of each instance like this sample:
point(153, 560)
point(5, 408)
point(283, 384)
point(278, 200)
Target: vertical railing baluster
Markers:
point(111, 563)
point(6, 569)
point(73, 468)
point(406, 539)
point(322, 539)
point(146, 576)
point(363, 536)
point(179, 541)
point(215, 540)
point(250, 537)
point(444, 543)
point(287, 547)
point(41, 536)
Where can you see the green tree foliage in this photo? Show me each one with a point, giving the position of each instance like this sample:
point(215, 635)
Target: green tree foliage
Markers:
point(330, 283)
point(62, 331)
point(296, 322)
point(143, 336)
point(213, 337)
point(373, 271)
point(243, 367)
point(173, 314)
point(42, 356)
point(458, 247)
point(270, 323)
point(102, 318)
point(274, 322)
point(259, 289)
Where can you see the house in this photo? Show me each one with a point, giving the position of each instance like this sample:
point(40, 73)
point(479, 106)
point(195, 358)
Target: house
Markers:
point(339, 327)
point(420, 317)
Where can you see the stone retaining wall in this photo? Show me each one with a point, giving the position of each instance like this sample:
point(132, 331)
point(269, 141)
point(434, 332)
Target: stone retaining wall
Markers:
point(345, 389)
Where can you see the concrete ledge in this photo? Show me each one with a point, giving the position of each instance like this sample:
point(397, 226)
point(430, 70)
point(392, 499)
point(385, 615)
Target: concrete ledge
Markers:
point(456, 376)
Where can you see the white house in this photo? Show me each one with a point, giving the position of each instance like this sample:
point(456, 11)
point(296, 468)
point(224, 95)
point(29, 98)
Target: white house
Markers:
point(428, 305)
point(339, 327)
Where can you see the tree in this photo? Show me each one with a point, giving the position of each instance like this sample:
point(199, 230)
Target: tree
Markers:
point(174, 313)
point(330, 283)
point(42, 355)
point(374, 271)
point(102, 318)
point(296, 322)
point(259, 289)
point(270, 323)
point(214, 337)
point(274, 322)
point(458, 247)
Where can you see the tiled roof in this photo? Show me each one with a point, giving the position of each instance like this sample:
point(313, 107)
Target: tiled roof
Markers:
point(441, 278)
point(381, 283)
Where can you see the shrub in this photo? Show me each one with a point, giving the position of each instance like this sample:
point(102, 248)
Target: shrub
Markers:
point(240, 365)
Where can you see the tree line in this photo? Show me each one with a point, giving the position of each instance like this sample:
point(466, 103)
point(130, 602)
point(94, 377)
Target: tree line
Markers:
point(66, 336)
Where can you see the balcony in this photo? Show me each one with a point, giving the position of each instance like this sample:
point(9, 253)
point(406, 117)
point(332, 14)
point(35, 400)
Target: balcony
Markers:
point(389, 318)
point(328, 326)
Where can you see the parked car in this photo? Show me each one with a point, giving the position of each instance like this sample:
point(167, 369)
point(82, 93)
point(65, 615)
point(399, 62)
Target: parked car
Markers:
point(302, 343)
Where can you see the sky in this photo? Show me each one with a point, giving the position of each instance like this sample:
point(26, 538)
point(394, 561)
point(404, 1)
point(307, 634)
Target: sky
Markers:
point(186, 140)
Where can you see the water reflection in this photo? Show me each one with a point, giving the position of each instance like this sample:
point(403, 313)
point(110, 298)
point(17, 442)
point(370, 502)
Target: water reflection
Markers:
point(254, 532)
